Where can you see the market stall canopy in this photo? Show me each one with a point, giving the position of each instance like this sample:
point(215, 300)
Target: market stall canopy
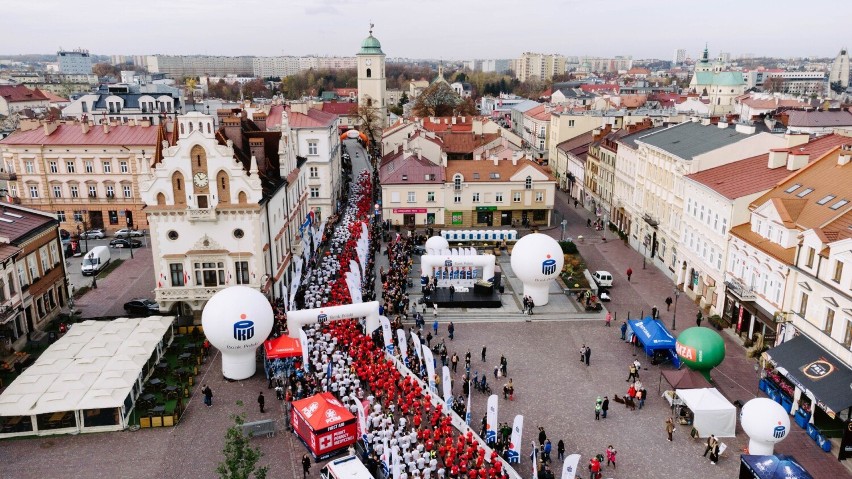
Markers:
point(713, 413)
point(655, 337)
point(686, 379)
point(814, 369)
point(772, 467)
point(283, 347)
point(322, 411)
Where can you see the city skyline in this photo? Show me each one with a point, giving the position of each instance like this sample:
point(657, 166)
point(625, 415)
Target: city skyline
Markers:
point(336, 27)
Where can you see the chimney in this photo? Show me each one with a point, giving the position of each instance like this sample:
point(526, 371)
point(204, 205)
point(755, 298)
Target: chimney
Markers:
point(454, 120)
point(777, 158)
point(494, 158)
point(463, 119)
point(705, 121)
point(50, 127)
point(299, 107)
point(796, 139)
point(259, 119)
point(233, 132)
point(722, 125)
point(797, 160)
point(106, 127)
point(27, 124)
point(145, 122)
point(745, 129)
point(516, 155)
point(256, 149)
point(845, 155)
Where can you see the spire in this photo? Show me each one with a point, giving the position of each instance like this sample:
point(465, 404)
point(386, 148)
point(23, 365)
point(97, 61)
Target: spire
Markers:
point(371, 28)
point(706, 56)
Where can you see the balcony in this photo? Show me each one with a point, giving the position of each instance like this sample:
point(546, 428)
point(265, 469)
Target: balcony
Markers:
point(201, 214)
point(650, 220)
point(740, 290)
point(8, 175)
point(8, 311)
point(197, 293)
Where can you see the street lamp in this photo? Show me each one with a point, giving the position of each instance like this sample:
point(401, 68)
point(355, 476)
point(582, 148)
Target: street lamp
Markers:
point(674, 313)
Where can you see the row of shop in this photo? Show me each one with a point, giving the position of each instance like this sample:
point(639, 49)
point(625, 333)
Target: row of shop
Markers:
point(486, 216)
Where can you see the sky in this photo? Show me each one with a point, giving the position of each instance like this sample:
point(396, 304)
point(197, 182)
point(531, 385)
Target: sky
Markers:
point(437, 29)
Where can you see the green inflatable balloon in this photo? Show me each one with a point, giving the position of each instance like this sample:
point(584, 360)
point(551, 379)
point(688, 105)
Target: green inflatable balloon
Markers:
point(701, 349)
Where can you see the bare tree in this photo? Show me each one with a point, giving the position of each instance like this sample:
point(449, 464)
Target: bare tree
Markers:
point(369, 121)
point(438, 99)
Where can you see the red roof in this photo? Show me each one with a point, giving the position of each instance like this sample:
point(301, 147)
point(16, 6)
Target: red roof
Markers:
point(346, 91)
point(273, 118)
point(398, 165)
point(465, 142)
point(313, 119)
point(339, 108)
point(20, 93)
point(69, 134)
point(752, 175)
point(322, 411)
point(53, 98)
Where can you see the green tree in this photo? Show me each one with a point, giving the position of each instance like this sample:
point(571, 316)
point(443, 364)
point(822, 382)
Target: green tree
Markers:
point(240, 461)
point(403, 99)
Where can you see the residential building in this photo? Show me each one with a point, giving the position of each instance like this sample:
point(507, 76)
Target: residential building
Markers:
point(85, 175)
point(626, 206)
point(783, 263)
point(838, 77)
point(756, 106)
point(499, 108)
point(496, 66)
point(462, 89)
point(567, 124)
point(719, 198)
point(372, 83)
point(266, 67)
point(34, 287)
point(120, 104)
point(572, 97)
point(517, 115)
point(76, 62)
point(569, 167)
point(413, 187)
point(679, 57)
point(664, 158)
point(607, 65)
point(538, 66)
point(415, 88)
point(815, 122)
point(178, 66)
point(15, 98)
point(536, 124)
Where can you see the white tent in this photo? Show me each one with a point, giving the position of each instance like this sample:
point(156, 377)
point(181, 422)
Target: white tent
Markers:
point(86, 381)
point(713, 413)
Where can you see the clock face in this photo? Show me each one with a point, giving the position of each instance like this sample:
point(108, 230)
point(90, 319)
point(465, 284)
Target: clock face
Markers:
point(200, 180)
point(368, 62)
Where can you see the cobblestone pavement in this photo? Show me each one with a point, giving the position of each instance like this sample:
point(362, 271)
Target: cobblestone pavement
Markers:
point(134, 278)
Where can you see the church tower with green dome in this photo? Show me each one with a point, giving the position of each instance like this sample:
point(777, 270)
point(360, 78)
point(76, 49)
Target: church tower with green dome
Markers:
point(372, 83)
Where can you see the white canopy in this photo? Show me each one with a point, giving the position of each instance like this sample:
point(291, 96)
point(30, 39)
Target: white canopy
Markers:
point(94, 365)
point(713, 413)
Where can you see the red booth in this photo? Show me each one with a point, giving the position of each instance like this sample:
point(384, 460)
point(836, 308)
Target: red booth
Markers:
point(323, 424)
point(283, 347)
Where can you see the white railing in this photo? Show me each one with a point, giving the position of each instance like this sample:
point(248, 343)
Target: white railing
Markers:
point(201, 214)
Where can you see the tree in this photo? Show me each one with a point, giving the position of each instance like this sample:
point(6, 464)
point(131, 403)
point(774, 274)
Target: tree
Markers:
point(368, 119)
point(240, 461)
point(773, 84)
point(104, 69)
point(403, 99)
point(255, 89)
point(438, 99)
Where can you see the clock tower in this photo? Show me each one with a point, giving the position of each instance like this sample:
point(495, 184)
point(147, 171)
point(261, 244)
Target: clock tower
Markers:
point(372, 84)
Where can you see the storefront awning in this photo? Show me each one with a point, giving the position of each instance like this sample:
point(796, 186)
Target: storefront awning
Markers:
point(812, 368)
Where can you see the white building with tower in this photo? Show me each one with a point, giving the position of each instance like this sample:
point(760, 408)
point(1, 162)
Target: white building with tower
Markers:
point(372, 83)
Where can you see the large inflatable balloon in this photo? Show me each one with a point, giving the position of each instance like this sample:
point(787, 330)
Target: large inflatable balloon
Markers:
point(766, 423)
point(701, 349)
point(537, 260)
point(237, 320)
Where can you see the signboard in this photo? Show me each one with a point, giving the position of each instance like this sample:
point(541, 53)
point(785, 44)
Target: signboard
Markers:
point(409, 210)
point(457, 218)
point(486, 208)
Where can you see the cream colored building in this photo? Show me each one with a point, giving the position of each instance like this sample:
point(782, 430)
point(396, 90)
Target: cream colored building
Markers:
point(372, 83)
point(538, 66)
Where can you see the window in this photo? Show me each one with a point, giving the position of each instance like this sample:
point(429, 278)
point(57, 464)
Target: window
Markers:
point(127, 191)
point(570, 123)
point(107, 167)
point(210, 274)
point(804, 192)
point(724, 225)
point(44, 259)
point(803, 304)
point(395, 197)
point(457, 198)
point(22, 276)
point(32, 266)
point(89, 166)
point(93, 191)
point(314, 172)
point(78, 216)
point(528, 183)
point(847, 336)
point(312, 148)
point(75, 192)
point(475, 176)
point(494, 176)
point(70, 167)
point(172, 235)
point(839, 204)
point(792, 188)
point(57, 191)
point(54, 253)
point(826, 199)
point(315, 193)
point(539, 196)
point(539, 215)
point(457, 182)
point(498, 197)
point(838, 271)
point(430, 196)
point(54, 168)
point(28, 166)
point(429, 177)
point(113, 217)
point(476, 197)
point(33, 191)
point(2, 290)
point(412, 197)
point(516, 197)
point(60, 215)
point(176, 272)
point(829, 321)
point(110, 190)
point(122, 167)
point(811, 254)
point(242, 270)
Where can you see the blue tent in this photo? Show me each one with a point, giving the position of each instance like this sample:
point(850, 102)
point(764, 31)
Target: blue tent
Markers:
point(771, 467)
point(654, 336)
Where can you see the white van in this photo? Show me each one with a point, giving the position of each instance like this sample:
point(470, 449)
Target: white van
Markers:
point(95, 260)
point(349, 467)
point(603, 278)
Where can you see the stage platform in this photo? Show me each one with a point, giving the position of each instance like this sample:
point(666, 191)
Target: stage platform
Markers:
point(463, 300)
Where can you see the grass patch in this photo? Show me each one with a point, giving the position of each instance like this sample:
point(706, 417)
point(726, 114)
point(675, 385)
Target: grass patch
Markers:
point(79, 292)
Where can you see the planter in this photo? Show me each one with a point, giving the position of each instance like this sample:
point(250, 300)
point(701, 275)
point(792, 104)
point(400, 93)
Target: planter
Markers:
point(156, 421)
point(144, 422)
point(787, 404)
point(168, 421)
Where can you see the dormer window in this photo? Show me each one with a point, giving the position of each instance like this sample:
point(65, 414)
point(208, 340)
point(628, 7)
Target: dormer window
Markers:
point(457, 182)
point(826, 199)
point(528, 183)
point(804, 192)
point(476, 176)
point(792, 188)
point(839, 204)
point(404, 177)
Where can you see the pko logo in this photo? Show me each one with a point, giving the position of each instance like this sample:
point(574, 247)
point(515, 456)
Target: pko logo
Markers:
point(548, 266)
point(322, 318)
point(448, 263)
point(243, 330)
point(779, 432)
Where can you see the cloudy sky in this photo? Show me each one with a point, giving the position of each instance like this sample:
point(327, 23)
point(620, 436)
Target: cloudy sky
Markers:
point(449, 29)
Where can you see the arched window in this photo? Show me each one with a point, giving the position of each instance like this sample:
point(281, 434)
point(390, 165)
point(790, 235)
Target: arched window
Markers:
point(209, 130)
point(223, 187)
point(181, 129)
point(457, 182)
point(369, 73)
point(161, 199)
point(190, 127)
point(177, 188)
point(242, 198)
point(528, 183)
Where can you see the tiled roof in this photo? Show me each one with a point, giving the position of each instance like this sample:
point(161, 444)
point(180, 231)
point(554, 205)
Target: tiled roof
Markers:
point(18, 223)
point(504, 168)
point(465, 142)
point(20, 93)
point(313, 119)
point(825, 178)
point(689, 139)
point(53, 98)
point(7, 251)
point(744, 232)
point(540, 112)
point(772, 103)
point(411, 167)
point(273, 118)
point(752, 175)
point(839, 229)
point(816, 118)
point(580, 141)
point(70, 134)
point(339, 108)
point(633, 101)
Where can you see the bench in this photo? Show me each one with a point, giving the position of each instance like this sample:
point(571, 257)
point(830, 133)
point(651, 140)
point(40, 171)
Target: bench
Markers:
point(257, 428)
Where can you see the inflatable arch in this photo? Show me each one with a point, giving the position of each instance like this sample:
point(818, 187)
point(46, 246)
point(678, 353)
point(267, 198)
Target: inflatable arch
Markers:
point(297, 319)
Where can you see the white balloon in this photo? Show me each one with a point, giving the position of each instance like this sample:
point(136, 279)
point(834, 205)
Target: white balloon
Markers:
point(536, 260)
point(766, 423)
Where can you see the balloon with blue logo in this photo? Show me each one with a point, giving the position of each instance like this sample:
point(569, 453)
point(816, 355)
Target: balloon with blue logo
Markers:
point(237, 320)
point(766, 423)
point(537, 260)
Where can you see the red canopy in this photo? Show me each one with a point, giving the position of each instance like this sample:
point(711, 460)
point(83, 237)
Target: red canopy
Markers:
point(322, 411)
point(283, 347)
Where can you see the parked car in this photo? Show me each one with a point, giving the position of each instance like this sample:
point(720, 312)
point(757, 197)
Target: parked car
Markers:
point(95, 260)
point(127, 233)
point(125, 243)
point(142, 306)
point(603, 278)
point(96, 233)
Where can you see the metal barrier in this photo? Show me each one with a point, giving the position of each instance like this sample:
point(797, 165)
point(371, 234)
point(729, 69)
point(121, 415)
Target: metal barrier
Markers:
point(265, 427)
